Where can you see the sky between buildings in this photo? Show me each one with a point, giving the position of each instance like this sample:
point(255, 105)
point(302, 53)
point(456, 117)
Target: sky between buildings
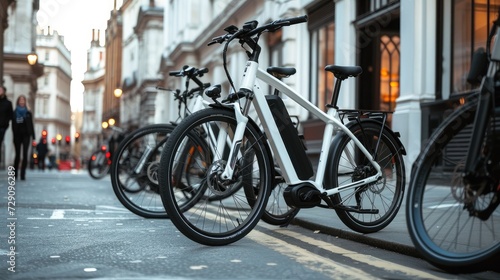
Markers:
point(75, 19)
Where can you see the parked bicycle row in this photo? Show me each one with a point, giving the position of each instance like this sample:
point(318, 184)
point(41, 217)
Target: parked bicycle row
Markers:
point(233, 159)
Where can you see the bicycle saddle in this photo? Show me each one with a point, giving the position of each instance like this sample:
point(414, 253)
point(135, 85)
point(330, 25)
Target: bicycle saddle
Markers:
point(344, 72)
point(281, 72)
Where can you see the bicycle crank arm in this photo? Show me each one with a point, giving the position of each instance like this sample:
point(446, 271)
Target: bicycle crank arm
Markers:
point(356, 184)
point(355, 209)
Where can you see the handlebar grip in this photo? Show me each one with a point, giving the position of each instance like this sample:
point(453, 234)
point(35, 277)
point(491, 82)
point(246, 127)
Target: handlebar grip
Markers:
point(218, 39)
point(293, 20)
point(203, 70)
point(174, 73)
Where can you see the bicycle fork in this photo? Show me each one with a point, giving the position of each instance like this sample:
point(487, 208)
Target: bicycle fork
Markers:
point(474, 179)
point(242, 121)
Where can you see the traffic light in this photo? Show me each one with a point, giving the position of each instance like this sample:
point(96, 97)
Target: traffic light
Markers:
point(68, 139)
point(77, 137)
point(44, 133)
point(53, 140)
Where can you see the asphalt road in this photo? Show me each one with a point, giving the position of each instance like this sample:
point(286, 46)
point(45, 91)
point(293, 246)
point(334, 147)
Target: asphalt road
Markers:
point(64, 225)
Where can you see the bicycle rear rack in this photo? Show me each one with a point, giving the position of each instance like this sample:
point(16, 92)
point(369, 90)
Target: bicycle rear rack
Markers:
point(354, 114)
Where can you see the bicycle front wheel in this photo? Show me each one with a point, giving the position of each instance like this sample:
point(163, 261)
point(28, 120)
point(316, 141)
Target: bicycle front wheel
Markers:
point(205, 207)
point(134, 170)
point(371, 207)
point(441, 210)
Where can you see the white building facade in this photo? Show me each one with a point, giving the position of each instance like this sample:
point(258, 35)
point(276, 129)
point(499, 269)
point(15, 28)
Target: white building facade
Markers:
point(93, 82)
point(19, 77)
point(142, 47)
point(53, 108)
point(415, 55)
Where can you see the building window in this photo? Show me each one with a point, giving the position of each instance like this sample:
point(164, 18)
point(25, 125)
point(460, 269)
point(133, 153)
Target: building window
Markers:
point(471, 22)
point(324, 44)
point(322, 31)
point(275, 45)
point(389, 72)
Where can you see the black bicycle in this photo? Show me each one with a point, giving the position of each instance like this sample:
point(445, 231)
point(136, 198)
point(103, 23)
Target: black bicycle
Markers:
point(99, 162)
point(134, 167)
point(452, 205)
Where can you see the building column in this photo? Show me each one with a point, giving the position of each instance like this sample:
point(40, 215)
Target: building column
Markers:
point(4, 4)
point(345, 47)
point(417, 74)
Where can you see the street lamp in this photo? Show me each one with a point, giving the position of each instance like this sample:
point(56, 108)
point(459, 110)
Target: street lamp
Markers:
point(32, 58)
point(118, 92)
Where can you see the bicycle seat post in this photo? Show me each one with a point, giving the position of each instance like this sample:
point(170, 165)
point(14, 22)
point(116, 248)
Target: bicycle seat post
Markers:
point(336, 92)
point(341, 73)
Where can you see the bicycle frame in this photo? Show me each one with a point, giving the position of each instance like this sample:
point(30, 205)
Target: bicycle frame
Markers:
point(249, 83)
point(198, 104)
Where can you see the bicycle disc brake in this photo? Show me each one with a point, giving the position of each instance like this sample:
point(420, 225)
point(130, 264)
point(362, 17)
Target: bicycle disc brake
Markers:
point(152, 172)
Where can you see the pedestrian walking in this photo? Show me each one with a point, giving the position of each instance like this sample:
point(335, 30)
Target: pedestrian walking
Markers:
point(42, 150)
point(5, 115)
point(22, 128)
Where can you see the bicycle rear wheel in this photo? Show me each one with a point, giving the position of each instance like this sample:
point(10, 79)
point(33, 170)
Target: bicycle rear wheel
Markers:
point(371, 207)
point(240, 202)
point(442, 211)
point(98, 165)
point(134, 170)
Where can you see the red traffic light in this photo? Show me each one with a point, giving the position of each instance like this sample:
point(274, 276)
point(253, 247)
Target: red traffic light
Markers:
point(53, 140)
point(44, 133)
point(67, 139)
point(77, 136)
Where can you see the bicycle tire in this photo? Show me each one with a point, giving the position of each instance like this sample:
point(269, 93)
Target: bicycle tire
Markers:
point(98, 165)
point(207, 221)
point(439, 224)
point(134, 170)
point(277, 212)
point(380, 200)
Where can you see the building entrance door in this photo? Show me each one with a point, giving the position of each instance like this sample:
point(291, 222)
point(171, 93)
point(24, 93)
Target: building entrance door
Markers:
point(379, 56)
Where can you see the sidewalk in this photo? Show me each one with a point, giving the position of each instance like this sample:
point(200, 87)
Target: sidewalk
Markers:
point(394, 237)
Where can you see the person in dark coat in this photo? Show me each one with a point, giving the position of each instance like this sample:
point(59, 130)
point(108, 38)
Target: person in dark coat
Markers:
point(42, 150)
point(5, 113)
point(22, 128)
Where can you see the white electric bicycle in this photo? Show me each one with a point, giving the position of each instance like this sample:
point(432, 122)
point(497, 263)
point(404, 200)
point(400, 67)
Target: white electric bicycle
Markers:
point(360, 174)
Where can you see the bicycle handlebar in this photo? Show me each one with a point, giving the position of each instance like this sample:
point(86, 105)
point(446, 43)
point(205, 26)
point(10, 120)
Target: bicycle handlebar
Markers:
point(250, 29)
point(189, 71)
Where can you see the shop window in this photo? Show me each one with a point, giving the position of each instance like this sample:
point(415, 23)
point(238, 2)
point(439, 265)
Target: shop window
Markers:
point(322, 31)
point(470, 26)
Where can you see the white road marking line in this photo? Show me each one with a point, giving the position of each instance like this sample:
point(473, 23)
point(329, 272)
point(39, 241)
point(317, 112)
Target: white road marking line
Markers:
point(57, 214)
point(61, 214)
point(86, 218)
